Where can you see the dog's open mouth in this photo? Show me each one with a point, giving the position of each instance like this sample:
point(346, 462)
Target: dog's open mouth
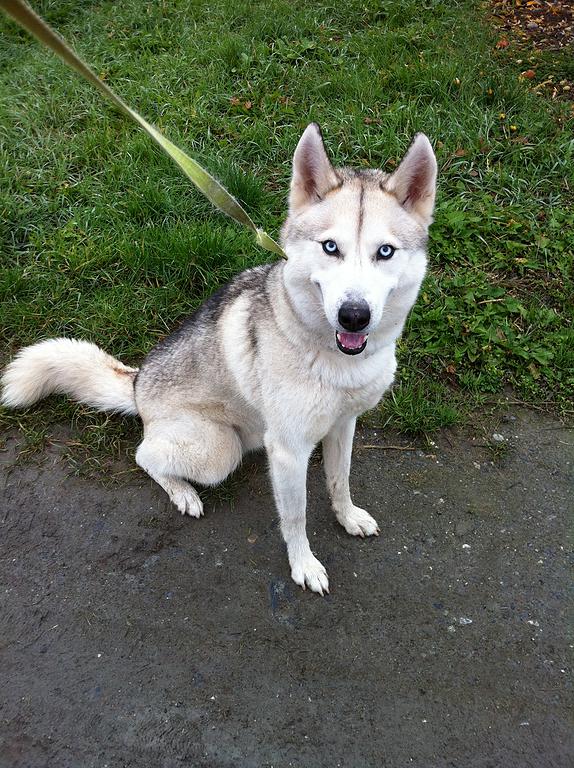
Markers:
point(351, 343)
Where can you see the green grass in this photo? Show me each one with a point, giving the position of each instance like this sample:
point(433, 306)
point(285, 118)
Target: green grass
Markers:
point(101, 237)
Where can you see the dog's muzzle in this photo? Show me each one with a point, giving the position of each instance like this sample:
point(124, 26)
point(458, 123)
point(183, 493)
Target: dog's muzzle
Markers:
point(354, 316)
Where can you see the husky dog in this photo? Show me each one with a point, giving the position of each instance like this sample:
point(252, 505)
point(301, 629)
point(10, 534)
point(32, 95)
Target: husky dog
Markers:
point(282, 357)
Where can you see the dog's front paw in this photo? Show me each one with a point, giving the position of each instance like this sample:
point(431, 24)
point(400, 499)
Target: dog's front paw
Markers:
point(357, 522)
point(309, 572)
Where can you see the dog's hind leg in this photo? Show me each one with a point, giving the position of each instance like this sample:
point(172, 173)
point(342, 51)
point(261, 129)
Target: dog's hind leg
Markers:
point(337, 450)
point(190, 448)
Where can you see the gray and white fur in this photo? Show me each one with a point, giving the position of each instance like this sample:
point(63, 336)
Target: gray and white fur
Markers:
point(285, 356)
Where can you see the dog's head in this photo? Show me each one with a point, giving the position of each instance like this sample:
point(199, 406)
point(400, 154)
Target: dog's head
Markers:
point(356, 241)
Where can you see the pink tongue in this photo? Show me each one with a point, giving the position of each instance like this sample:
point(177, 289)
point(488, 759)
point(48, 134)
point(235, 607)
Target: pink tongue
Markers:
point(351, 340)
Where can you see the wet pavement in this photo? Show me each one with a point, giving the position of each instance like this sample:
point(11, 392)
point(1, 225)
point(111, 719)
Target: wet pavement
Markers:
point(131, 636)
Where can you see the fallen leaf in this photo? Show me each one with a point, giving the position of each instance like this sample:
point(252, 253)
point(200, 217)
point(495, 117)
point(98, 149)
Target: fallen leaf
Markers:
point(534, 371)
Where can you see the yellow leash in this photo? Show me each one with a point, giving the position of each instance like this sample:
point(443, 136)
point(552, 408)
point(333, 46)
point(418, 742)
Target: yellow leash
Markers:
point(210, 187)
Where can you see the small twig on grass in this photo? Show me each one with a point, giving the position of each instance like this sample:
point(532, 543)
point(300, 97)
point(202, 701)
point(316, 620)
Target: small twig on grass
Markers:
point(520, 402)
point(491, 301)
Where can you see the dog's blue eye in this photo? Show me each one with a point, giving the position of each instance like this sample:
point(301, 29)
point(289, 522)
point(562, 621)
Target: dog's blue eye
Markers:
point(385, 252)
point(330, 247)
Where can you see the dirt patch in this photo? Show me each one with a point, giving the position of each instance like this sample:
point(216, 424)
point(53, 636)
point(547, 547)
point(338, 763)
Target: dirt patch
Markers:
point(541, 26)
point(547, 25)
point(134, 637)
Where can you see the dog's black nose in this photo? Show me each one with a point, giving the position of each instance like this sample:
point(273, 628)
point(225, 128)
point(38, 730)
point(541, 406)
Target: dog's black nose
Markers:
point(354, 315)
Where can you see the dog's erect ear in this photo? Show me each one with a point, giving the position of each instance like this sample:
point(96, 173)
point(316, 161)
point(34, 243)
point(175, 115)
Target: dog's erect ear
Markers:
point(414, 181)
point(313, 174)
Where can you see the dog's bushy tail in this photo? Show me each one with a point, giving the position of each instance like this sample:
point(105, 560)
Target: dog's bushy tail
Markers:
point(75, 368)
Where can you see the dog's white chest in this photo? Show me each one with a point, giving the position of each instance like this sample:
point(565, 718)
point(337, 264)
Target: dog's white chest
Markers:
point(319, 408)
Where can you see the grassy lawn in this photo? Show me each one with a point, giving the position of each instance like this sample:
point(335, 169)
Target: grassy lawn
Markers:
point(102, 238)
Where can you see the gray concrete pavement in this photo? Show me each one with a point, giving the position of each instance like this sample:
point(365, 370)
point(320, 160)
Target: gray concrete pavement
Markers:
point(131, 636)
